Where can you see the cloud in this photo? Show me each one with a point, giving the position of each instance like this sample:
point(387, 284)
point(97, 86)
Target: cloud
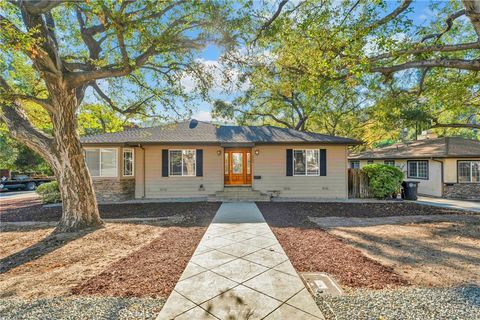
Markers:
point(203, 116)
point(223, 77)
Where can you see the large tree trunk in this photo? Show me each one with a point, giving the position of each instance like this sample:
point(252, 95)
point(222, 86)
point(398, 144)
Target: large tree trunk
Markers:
point(79, 203)
point(64, 153)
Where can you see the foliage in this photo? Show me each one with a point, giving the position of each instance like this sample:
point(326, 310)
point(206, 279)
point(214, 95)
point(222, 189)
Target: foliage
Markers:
point(49, 192)
point(384, 180)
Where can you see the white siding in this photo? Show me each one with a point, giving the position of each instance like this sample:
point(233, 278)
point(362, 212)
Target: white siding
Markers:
point(157, 186)
point(430, 187)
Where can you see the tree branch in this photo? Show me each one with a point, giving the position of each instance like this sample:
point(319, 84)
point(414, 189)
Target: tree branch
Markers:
point(449, 21)
point(472, 65)
point(392, 15)
point(472, 11)
point(269, 22)
point(432, 48)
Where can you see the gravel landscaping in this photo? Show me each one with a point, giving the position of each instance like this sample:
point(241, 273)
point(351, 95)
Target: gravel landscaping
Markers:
point(295, 214)
point(459, 303)
point(99, 308)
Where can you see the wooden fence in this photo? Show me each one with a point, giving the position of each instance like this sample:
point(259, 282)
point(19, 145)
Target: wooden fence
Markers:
point(358, 184)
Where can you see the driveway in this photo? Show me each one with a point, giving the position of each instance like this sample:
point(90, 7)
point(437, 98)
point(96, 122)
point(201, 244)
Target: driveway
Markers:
point(17, 195)
point(450, 203)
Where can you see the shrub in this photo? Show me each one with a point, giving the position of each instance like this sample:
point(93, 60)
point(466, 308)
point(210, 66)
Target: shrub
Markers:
point(384, 180)
point(49, 192)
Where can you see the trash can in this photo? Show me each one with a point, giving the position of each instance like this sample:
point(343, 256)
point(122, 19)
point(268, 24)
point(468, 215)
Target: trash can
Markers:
point(409, 190)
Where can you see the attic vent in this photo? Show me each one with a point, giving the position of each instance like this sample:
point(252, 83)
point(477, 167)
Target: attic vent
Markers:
point(193, 124)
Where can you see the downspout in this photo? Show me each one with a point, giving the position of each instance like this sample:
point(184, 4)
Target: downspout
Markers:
point(143, 170)
point(441, 174)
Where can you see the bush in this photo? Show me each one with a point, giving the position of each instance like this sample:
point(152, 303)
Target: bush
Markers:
point(49, 192)
point(384, 180)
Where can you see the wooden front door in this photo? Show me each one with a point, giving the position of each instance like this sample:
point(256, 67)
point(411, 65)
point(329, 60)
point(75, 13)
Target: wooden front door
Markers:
point(238, 166)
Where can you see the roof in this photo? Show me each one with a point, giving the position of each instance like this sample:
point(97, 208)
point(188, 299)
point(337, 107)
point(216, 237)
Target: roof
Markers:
point(194, 131)
point(447, 147)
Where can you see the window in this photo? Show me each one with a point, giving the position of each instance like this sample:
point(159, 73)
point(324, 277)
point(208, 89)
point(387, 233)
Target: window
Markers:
point(355, 164)
point(417, 169)
point(226, 163)
point(306, 162)
point(101, 162)
point(389, 163)
point(369, 161)
point(182, 162)
point(468, 171)
point(128, 162)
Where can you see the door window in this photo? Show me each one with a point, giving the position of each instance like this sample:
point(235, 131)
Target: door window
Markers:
point(237, 162)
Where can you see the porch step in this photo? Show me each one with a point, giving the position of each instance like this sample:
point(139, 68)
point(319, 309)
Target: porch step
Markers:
point(239, 194)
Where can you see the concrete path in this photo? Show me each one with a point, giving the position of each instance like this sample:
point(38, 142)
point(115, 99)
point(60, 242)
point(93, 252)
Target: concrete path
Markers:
point(239, 271)
point(449, 203)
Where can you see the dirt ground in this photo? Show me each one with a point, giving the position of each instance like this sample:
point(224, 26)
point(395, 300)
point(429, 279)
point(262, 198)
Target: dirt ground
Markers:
point(429, 254)
point(380, 256)
point(114, 260)
point(34, 264)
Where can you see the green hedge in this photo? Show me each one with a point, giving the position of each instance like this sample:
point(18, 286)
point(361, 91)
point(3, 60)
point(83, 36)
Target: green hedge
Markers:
point(49, 192)
point(384, 180)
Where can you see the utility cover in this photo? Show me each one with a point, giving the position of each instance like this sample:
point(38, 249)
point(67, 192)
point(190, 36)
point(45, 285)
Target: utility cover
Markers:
point(321, 283)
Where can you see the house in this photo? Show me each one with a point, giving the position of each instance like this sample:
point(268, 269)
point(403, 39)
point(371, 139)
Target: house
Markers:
point(198, 160)
point(445, 167)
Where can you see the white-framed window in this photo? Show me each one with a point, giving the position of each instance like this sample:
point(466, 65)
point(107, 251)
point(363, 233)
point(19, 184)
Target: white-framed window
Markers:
point(389, 163)
point(128, 162)
point(468, 171)
point(417, 169)
point(354, 164)
point(101, 162)
point(182, 162)
point(306, 162)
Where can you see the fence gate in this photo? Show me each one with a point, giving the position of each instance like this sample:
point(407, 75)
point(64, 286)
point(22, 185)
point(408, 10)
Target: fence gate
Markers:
point(358, 184)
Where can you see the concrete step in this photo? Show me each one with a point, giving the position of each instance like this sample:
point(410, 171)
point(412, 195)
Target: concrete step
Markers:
point(238, 194)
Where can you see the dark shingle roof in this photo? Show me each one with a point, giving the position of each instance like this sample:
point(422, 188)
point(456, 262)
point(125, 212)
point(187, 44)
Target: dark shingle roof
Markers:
point(208, 133)
point(448, 147)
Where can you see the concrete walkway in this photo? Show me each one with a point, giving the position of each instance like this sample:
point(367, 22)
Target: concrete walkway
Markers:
point(239, 271)
point(449, 203)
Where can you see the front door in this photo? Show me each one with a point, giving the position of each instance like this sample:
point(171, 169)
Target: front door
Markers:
point(238, 166)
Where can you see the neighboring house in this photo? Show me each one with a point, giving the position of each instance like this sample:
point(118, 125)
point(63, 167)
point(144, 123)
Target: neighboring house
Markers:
point(445, 167)
point(196, 159)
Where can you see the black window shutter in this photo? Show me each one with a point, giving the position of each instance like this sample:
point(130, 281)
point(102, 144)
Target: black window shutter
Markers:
point(289, 162)
point(199, 157)
point(323, 162)
point(164, 162)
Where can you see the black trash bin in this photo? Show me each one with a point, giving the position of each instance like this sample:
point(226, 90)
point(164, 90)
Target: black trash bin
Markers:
point(410, 189)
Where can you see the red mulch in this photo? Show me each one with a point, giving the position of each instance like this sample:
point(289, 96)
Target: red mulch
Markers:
point(151, 271)
point(314, 250)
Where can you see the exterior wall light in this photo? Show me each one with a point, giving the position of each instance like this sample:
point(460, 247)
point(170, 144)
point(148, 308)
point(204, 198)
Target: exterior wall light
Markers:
point(257, 152)
point(219, 152)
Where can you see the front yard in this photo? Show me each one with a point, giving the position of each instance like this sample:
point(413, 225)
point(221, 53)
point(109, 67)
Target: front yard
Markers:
point(125, 270)
point(389, 265)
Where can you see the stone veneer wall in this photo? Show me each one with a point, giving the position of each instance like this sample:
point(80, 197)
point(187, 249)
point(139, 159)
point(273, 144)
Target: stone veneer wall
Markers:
point(108, 190)
point(465, 191)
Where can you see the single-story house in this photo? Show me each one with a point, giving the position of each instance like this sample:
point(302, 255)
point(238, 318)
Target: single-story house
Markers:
point(445, 167)
point(195, 159)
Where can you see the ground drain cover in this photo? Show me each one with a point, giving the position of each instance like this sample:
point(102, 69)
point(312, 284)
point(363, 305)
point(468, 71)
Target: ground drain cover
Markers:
point(321, 283)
